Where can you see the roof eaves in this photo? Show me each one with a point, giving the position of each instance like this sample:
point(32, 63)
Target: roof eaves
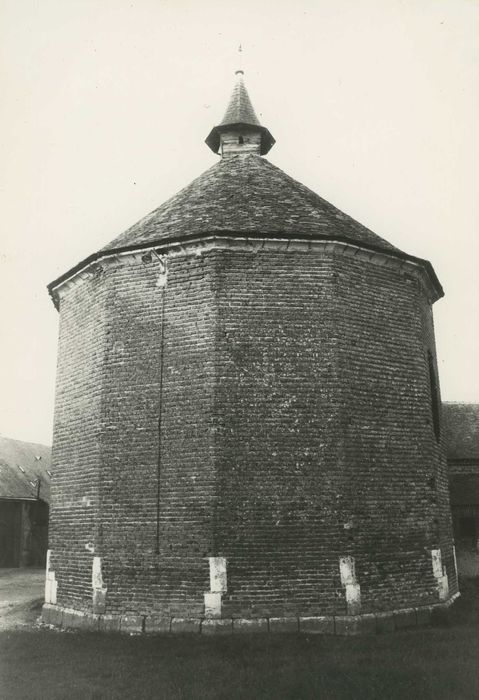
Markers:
point(267, 139)
point(167, 242)
point(21, 498)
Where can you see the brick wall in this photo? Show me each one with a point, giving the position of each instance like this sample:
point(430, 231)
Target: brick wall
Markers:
point(138, 578)
point(75, 493)
point(107, 437)
point(293, 392)
point(439, 481)
point(327, 448)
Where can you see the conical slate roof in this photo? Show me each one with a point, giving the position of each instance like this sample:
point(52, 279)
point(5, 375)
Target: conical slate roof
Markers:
point(240, 110)
point(246, 194)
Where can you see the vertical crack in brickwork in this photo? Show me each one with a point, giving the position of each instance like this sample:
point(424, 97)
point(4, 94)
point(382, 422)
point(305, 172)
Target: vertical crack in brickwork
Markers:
point(162, 283)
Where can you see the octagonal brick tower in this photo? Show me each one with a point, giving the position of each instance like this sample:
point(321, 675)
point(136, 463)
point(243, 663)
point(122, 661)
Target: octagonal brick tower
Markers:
point(247, 423)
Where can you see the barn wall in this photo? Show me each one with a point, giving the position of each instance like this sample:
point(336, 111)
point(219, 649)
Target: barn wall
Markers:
point(23, 532)
point(464, 492)
point(10, 533)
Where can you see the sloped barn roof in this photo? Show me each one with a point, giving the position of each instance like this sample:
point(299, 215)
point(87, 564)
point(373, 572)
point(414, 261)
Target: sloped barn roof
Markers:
point(22, 464)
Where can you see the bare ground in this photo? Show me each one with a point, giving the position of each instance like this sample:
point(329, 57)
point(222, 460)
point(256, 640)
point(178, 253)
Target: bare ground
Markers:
point(21, 597)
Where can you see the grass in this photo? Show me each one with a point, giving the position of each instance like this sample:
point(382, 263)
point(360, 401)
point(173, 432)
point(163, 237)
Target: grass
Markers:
point(436, 662)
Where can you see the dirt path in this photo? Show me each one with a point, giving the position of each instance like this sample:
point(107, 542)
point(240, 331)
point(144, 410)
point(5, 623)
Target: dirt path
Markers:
point(21, 597)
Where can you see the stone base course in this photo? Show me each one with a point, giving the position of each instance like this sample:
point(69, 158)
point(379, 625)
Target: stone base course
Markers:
point(217, 626)
point(424, 615)
point(157, 624)
point(385, 623)
point(405, 618)
point(316, 625)
point(186, 625)
point(349, 625)
point(254, 625)
point(343, 625)
point(132, 623)
point(284, 624)
point(110, 623)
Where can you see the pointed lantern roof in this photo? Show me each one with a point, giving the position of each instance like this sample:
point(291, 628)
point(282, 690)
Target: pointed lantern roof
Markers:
point(240, 115)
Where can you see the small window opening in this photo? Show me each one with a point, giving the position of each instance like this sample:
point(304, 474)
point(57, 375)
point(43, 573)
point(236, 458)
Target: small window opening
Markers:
point(436, 416)
point(241, 140)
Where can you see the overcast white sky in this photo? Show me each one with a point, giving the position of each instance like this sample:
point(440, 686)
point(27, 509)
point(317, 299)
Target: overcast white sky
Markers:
point(105, 105)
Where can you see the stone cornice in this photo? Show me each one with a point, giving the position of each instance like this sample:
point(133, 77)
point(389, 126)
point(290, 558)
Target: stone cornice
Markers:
point(418, 268)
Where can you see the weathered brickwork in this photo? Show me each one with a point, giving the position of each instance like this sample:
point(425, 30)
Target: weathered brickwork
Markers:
point(174, 578)
point(439, 481)
point(327, 449)
point(75, 507)
point(154, 553)
point(269, 407)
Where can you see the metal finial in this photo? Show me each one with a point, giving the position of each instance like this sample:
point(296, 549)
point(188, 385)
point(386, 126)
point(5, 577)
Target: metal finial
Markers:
point(240, 61)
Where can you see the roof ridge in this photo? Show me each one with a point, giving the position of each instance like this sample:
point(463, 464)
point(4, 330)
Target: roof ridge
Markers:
point(25, 442)
point(472, 404)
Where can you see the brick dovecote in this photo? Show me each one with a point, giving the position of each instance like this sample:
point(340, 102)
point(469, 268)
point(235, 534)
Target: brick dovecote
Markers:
point(247, 427)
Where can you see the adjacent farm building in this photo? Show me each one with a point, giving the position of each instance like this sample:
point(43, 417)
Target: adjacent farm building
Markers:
point(24, 502)
point(461, 426)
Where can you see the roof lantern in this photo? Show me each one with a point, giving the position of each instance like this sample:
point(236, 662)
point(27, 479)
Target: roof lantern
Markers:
point(240, 130)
